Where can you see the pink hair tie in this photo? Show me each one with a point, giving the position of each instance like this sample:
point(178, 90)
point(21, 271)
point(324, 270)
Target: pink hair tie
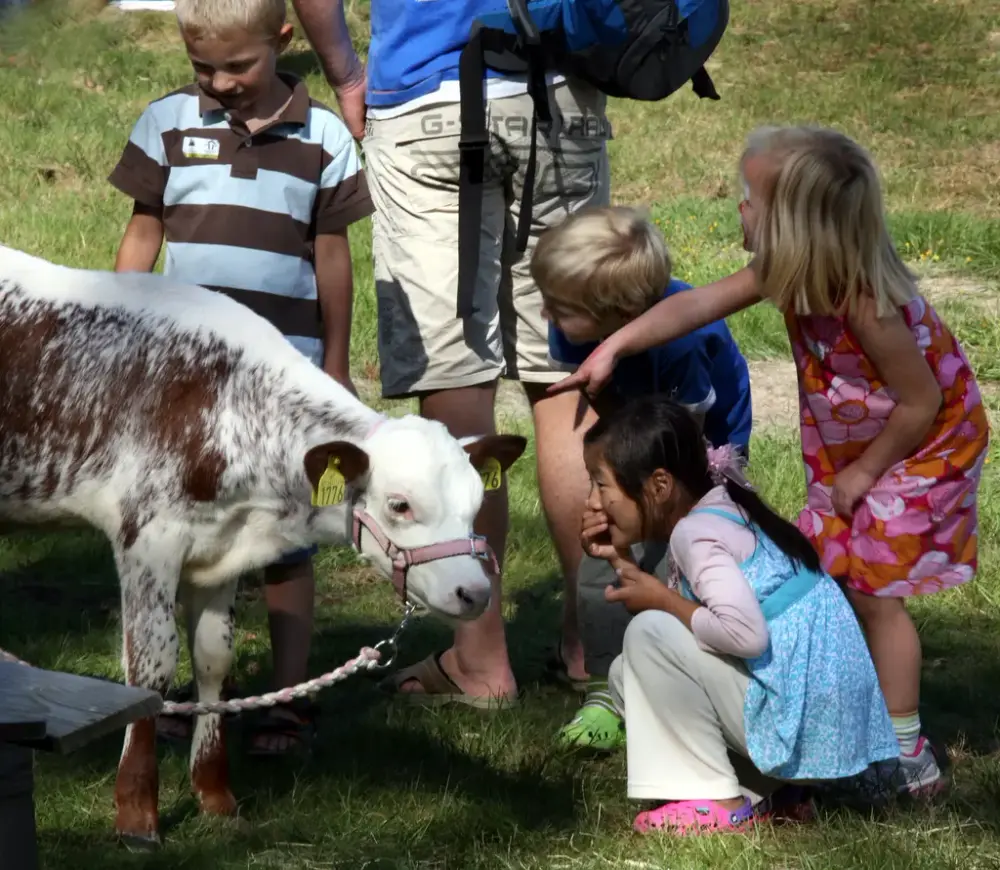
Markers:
point(726, 463)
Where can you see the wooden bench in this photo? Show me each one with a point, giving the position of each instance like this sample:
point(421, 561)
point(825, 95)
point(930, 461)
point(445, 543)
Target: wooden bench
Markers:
point(52, 712)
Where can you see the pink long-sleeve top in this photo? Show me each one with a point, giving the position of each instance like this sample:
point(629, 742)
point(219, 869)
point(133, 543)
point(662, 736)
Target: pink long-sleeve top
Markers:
point(708, 550)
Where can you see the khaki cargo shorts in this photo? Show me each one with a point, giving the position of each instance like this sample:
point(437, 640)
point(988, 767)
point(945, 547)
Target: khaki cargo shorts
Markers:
point(412, 164)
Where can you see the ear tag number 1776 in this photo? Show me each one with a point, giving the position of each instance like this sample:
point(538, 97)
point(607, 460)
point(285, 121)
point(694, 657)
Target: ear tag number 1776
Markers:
point(331, 485)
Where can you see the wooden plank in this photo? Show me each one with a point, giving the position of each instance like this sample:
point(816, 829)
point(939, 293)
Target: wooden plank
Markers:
point(18, 843)
point(76, 710)
point(18, 732)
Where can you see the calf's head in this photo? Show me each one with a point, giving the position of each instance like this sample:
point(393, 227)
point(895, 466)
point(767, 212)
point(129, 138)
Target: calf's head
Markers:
point(414, 492)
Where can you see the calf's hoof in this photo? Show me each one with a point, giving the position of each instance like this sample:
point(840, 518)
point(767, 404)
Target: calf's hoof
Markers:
point(217, 803)
point(137, 830)
point(140, 842)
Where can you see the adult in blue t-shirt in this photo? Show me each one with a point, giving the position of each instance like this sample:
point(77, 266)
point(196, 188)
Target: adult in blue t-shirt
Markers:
point(406, 108)
point(704, 370)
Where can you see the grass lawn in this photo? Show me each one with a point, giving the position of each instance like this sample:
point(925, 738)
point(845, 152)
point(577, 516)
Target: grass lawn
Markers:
point(917, 82)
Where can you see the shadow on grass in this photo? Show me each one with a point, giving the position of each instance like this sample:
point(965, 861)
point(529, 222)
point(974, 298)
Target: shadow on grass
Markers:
point(63, 591)
point(961, 670)
point(61, 587)
point(384, 781)
point(374, 770)
point(94, 847)
point(60, 593)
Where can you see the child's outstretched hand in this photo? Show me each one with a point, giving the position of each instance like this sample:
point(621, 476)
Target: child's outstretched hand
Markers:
point(636, 589)
point(591, 375)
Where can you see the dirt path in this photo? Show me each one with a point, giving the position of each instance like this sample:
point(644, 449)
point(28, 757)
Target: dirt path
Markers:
point(773, 382)
point(775, 396)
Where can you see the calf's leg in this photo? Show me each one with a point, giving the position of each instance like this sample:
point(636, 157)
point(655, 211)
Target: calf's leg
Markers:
point(149, 653)
point(211, 617)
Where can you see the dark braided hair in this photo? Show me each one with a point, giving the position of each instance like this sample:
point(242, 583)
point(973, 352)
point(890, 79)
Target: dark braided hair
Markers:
point(654, 432)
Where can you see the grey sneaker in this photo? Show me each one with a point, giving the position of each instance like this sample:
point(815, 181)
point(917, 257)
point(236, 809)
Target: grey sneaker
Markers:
point(918, 776)
point(921, 773)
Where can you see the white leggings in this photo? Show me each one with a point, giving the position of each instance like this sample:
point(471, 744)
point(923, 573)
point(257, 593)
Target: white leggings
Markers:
point(683, 710)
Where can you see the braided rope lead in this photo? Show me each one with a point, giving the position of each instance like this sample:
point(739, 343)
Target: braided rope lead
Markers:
point(368, 659)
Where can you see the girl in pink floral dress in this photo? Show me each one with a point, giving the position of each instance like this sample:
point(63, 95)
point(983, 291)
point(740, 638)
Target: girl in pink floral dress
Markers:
point(894, 433)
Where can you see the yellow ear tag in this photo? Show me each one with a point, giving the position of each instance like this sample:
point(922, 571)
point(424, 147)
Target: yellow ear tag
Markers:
point(331, 485)
point(491, 474)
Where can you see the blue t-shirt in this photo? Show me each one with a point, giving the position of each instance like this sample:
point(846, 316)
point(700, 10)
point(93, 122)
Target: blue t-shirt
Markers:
point(414, 48)
point(703, 370)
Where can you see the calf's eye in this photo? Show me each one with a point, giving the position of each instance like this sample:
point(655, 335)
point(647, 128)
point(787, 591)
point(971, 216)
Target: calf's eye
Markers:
point(398, 506)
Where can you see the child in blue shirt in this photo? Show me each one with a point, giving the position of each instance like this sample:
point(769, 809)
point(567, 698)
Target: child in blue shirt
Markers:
point(703, 370)
point(598, 270)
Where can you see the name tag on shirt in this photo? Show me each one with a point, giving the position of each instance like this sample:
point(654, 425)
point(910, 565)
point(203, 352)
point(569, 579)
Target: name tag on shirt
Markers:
point(198, 148)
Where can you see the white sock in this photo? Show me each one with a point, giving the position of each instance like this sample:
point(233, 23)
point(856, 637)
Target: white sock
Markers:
point(907, 728)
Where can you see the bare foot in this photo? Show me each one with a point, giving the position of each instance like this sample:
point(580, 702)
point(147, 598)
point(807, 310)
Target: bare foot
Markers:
point(571, 653)
point(480, 683)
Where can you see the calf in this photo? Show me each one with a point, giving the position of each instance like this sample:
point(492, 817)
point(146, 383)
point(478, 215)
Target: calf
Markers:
point(194, 436)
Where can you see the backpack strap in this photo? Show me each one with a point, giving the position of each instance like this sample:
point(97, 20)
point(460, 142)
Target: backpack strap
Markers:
point(539, 93)
point(703, 86)
point(474, 144)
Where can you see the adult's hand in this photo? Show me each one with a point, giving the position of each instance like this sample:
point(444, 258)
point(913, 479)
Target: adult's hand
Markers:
point(592, 375)
point(324, 23)
point(351, 99)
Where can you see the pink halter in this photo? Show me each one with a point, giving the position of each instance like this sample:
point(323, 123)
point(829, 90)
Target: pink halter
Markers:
point(404, 558)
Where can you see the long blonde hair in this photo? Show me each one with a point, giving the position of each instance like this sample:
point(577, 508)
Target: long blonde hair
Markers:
point(821, 239)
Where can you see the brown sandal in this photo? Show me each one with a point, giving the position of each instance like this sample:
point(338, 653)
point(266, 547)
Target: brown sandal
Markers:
point(177, 730)
point(438, 688)
point(556, 671)
point(297, 729)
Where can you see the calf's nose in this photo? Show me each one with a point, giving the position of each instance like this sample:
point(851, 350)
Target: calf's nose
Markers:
point(474, 600)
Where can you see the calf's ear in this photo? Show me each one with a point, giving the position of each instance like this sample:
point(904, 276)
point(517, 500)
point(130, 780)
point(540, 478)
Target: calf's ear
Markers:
point(505, 449)
point(353, 461)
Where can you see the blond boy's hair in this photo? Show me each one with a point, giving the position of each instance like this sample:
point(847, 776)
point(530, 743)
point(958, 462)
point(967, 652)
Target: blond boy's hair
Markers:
point(821, 238)
point(208, 19)
point(603, 261)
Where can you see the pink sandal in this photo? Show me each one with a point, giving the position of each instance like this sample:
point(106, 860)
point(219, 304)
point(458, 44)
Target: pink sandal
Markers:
point(682, 818)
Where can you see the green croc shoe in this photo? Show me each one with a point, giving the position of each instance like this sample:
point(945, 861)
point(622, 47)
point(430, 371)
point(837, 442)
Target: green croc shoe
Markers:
point(596, 725)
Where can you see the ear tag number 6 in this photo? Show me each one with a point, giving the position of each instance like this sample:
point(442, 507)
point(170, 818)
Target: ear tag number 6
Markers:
point(491, 474)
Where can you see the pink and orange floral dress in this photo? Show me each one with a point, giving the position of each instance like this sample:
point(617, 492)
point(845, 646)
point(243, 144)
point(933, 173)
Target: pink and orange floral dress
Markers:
point(916, 531)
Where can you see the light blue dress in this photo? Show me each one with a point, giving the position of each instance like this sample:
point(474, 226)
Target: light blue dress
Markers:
point(813, 708)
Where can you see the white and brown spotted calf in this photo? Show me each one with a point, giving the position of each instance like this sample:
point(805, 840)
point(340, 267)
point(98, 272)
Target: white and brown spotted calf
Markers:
point(192, 434)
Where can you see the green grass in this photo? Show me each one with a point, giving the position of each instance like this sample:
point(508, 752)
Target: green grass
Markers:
point(915, 82)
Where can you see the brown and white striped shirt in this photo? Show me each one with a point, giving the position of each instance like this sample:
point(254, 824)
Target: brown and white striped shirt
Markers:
point(241, 211)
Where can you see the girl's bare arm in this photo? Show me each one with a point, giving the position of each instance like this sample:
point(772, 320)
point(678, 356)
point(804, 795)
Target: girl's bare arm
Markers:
point(891, 347)
point(669, 319)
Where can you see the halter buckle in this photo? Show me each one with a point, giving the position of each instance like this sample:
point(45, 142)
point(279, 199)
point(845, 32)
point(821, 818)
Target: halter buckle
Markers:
point(391, 643)
point(481, 555)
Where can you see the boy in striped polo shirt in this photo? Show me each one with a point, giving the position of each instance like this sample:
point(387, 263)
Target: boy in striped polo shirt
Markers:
point(253, 185)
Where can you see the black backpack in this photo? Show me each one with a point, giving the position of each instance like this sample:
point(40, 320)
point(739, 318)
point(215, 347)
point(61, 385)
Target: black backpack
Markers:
point(636, 49)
